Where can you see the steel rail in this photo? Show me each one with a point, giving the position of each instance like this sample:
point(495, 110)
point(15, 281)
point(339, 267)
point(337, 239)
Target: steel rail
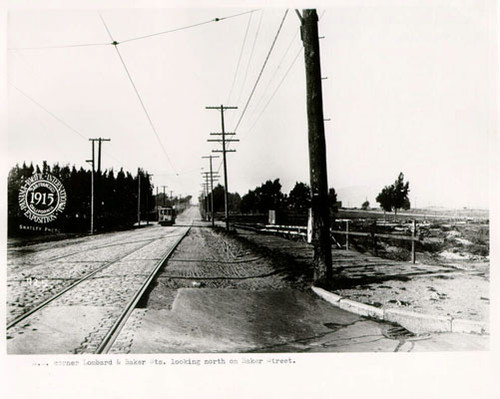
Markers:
point(64, 290)
point(110, 338)
point(114, 244)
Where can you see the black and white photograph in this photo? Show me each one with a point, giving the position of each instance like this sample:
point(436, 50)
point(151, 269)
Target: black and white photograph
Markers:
point(251, 186)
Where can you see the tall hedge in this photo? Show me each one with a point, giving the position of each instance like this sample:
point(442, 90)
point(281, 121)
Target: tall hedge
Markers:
point(115, 198)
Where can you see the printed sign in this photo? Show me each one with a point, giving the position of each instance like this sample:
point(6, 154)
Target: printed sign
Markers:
point(42, 198)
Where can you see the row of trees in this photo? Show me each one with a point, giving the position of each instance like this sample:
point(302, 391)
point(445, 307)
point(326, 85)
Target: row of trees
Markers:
point(115, 197)
point(268, 196)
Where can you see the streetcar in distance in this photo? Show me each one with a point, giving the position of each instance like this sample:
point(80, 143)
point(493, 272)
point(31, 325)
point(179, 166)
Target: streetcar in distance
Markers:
point(166, 215)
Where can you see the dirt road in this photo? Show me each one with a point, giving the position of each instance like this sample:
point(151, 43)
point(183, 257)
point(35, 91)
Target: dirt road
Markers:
point(217, 295)
point(214, 294)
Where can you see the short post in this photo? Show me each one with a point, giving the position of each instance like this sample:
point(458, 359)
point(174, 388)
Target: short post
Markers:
point(413, 232)
point(347, 234)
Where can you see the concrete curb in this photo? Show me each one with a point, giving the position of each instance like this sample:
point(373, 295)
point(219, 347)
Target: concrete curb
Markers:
point(415, 322)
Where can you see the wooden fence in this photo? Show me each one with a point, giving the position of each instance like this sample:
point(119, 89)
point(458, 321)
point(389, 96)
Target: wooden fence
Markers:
point(301, 231)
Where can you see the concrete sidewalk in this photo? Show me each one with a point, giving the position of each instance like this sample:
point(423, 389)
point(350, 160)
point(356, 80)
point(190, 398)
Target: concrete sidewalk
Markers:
point(421, 298)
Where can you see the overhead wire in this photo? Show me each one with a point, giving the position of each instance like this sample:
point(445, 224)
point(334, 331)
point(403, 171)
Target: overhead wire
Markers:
point(139, 97)
point(261, 71)
point(60, 120)
point(239, 58)
point(58, 47)
point(275, 71)
point(260, 74)
point(242, 87)
point(48, 111)
point(281, 82)
point(217, 19)
point(284, 77)
point(187, 27)
point(275, 91)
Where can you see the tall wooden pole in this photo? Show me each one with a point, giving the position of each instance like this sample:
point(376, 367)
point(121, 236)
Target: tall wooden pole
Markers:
point(147, 198)
point(97, 178)
point(226, 199)
point(90, 161)
point(211, 173)
point(317, 151)
point(413, 233)
point(92, 191)
point(224, 141)
point(138, 197)
point(163, 202)
point(100, 140)
point(212, 193)
point(92, 200)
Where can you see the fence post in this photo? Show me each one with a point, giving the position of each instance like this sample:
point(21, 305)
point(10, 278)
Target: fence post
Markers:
point(347, 234)
point(413, 231)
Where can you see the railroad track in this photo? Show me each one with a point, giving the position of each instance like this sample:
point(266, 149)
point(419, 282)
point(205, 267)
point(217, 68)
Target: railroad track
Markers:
point(114, 332)
point(71, 286)
point(113, 243)
point(132, 303)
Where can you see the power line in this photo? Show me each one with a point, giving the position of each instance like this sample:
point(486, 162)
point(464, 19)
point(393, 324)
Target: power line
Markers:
point(131, 39)
point(282, 80)
point(187, 27)
point(144, 108)
point(255, 39)
point(239, 58)
point(261, 70)
point(280, 83)
point(106, 27)
point(224, 150)
point(58, 47)
point(242, 87)
point(276, 71)
point(49, 112)
point(56, 117)
point(276, 90)
point(138, 96)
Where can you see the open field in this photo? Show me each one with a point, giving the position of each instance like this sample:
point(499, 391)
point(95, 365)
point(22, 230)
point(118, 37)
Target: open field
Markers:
point(453, 237)
point(459, 243)
point(476, 215)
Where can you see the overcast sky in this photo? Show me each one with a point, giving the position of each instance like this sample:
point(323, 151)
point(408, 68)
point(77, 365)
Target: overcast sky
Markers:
point(409, 89)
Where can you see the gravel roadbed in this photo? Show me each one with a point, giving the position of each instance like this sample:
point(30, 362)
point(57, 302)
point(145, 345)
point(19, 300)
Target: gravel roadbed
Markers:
point(441, 290)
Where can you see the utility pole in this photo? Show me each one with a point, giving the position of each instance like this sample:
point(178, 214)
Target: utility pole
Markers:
point(138, 196)
point(224, 150)
point(91, 162)
point(147, 199)
point(317, 150)
point(208, 188)
point(163, 201)
point(97, 188)
point(205, 200)
point(209, 183)
point(99, 152)
point(210, 157)
point(99, 140)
